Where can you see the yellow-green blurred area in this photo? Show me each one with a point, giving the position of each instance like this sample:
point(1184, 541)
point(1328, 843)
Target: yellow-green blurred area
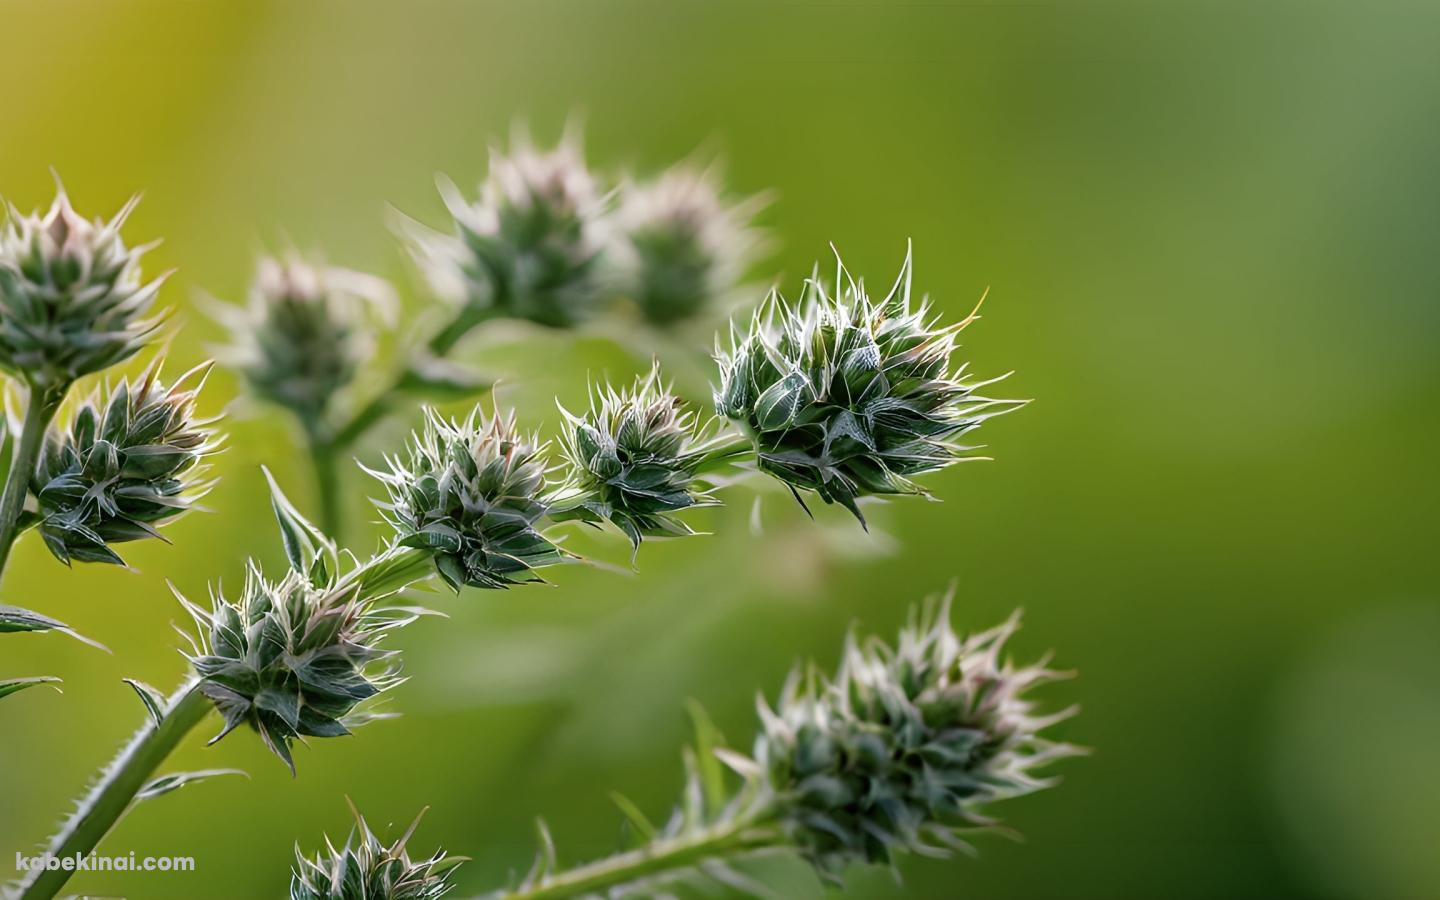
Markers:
point(1210, 234)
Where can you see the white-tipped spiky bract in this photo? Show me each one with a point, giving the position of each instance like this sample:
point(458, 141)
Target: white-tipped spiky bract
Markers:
point(846, 397)
point(295, 657)
point(367, 868)
point(473, 493)
point(633, 458)
point(528, 247)
point(905, 745)
point(130, 459)
point(681, 246)
point(72, 300)
point(305, 333)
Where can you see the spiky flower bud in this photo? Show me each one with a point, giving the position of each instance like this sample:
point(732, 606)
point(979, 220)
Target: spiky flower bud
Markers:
point(847, 397)
point(129, 461)
point(367, 868)
point(473, 493)
point(304, 334)
point(72, 300)
point(682, 247)
point(906, 744)
point(633, 458)
point(293, 658)
point(528, 247)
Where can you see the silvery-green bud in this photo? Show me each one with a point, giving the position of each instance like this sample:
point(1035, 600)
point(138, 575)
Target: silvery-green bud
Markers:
point(292, 658)
point(296, 657)
point(305, 333)
point(847, 397)
point(528, 248)
point(682, 247)
point(905, 745)
point(130, 460)
point(473, 493)
point(72, 300)
point(633, 457)
point(366, 868)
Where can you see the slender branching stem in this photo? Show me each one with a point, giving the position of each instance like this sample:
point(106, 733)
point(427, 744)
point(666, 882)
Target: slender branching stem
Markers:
point(323, 461)
point(115, 791)
point(40, 408)
point(465, 320)
point(656, 861)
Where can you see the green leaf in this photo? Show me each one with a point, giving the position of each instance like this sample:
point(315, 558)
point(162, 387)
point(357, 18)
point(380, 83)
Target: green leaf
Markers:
point(176, 780)
point(14, 619)
point(15, 685)
point(152, 698)
point(304, 543)
point(643, 826)
point(707, 740)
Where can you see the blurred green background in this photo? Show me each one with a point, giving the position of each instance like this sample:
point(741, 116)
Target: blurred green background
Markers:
point(1210, 233)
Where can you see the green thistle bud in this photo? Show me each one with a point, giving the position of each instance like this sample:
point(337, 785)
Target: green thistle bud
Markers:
point(292, 658)
point(633, 458)
point(473, 494)
point(684, 248)
point(848, 398)
point(127, 463)
point(72, 300)
point(905, 745)
point(366, 868)
point(297, 657)
point(528, 247)
point(305, 335)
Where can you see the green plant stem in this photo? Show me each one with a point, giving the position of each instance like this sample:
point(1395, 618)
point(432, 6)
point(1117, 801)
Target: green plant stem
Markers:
point(327, 481)
point(114, 793)
point(665, 857)
point(465, 320)
point(39, 410)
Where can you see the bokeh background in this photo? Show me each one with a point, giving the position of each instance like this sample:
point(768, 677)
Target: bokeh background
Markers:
point(1210, 232)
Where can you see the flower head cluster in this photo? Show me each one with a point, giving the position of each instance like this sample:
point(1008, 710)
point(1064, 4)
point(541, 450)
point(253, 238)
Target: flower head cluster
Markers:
point(847, 397)
point(367, 868)
point(295, 657)
point(304, 335)
point(682, 247)
point(127, 462)
point(292, 658)
point(633, 458)
point(72, 300)
point(473, 493)
point(906, 744)
point(528, 247)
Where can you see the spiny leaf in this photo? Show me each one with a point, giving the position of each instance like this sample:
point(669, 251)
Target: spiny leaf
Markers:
point(14, 619)
point(176, 780)
point(152, 698)
point(15, 685)
point(643, 826)
point(707, 740)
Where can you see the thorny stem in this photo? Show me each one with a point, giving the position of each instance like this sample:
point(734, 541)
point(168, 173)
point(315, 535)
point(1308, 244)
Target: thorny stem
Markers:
point(40, 408)
point(115, 791)
point(660, 859)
